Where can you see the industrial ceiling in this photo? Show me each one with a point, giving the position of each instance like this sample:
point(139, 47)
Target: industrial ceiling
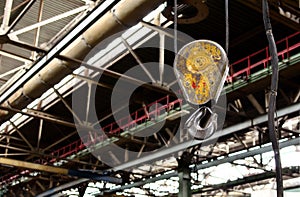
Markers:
point(90, 104)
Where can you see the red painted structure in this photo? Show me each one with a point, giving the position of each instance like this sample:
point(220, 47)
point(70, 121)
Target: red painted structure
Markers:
point(261, 59)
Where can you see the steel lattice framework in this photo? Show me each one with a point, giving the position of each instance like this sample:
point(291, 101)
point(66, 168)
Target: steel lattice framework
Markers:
point(39, 126)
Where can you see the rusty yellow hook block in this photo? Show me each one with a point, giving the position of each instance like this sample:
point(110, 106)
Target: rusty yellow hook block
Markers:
point(201, 68)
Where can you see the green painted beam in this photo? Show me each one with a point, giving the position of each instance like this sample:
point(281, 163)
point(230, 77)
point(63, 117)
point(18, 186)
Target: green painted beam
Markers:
point(261, 74)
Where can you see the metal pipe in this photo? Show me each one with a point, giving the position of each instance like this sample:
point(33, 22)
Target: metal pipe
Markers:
point(125, 14)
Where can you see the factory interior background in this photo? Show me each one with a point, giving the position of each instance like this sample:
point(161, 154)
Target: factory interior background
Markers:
point(149, 98)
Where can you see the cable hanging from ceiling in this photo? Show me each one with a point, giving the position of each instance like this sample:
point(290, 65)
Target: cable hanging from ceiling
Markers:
point(226, 28)
point(272, 103)
point(175, 25)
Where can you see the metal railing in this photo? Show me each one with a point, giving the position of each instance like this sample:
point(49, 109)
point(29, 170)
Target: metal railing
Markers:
point(142, 115)
point(259, 60)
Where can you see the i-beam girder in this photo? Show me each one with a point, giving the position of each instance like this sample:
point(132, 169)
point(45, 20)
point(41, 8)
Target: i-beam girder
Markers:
point(176, 148)
point(246, 180)
point(218, 134)
point(295, 141)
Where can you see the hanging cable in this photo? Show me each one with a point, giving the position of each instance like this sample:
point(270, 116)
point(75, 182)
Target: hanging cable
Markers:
point(227, 27)
point(175, 26)
point(272, 102)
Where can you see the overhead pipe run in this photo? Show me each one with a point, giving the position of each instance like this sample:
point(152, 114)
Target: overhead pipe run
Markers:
point(124, 15)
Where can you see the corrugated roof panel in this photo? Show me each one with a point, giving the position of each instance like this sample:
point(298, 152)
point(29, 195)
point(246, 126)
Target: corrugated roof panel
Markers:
point(51, 9)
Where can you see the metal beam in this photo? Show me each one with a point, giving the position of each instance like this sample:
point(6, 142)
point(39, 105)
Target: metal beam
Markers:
point(257, 151)
point(245, 180)
point(41, 115)
point(16, 57)
point(161, 57)
point(15, 148)
point(22, 13)
point(22, 136)
point(58, 170)
point(91, 81)
point(10, 137)
point(184, 174)
point(40, 185)
point(12, 154)
point(40, 133)
point(255, 104)
point(143, 182)
point(67, 106)
point(125, 78)
point(38, 30)
point(62, 187)
point(6, 16)
point(88, 103)
point(218, 134)
point(163, 31)
point(274, 15)
point(59, 141)
point(286, 98)
point(34, 153)
point(295, 141)
point(137, 59)
point(25, 90)
point(297, 96)
point(290, 131)
point(60, 46)
point(50, 20)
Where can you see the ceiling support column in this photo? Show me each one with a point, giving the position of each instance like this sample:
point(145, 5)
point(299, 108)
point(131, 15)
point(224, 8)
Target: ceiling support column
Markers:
point(184, 174)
